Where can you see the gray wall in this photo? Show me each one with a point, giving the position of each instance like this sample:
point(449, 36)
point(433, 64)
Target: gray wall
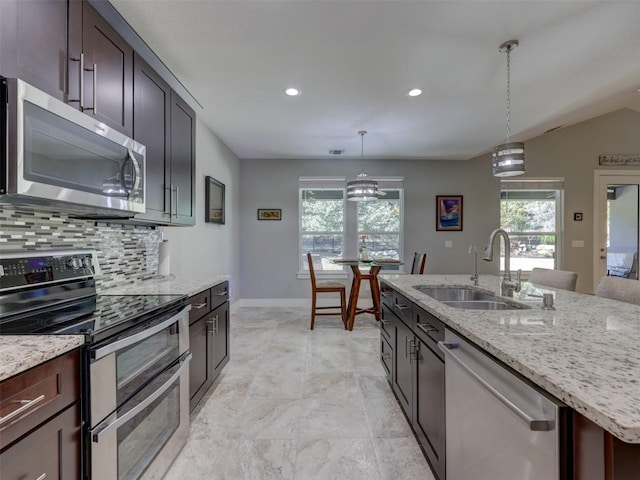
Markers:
point(269, 250)
point(269, 260)
point(209, 248)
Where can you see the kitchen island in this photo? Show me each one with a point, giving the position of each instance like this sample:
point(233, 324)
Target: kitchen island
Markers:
point(584, 353)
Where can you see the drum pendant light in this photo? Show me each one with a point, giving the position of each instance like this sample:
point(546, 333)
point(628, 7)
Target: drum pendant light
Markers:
point(362, 189)
point(508, 158)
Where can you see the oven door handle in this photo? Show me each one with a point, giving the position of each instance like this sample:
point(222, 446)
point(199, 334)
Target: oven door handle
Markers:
point(125, 342)
point(114, 422)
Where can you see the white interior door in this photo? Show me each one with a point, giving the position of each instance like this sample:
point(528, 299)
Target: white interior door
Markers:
point(616, 224)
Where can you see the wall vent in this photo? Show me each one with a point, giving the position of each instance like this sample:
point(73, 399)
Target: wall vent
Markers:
point(336, 151)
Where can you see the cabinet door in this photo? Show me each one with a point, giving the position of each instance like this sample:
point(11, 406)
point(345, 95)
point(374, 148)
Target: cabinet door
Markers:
point(402, 366)
point(109, 68)
point(33, 43)
point(220, 338)
point(428, 404)
point(151, 109)
point(200, 367)
point(182, 167)
point(51, 451)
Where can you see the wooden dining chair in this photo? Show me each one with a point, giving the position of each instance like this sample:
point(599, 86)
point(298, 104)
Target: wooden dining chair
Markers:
point(554, 278)
point(419, 261)
point(326, 286)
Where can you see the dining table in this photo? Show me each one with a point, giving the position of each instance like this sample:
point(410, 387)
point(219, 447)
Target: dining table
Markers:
point(364, 270)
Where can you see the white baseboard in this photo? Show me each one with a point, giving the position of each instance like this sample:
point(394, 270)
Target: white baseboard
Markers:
point(289, 302)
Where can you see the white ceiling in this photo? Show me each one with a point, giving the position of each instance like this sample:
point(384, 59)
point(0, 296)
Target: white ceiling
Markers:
point(355, 60)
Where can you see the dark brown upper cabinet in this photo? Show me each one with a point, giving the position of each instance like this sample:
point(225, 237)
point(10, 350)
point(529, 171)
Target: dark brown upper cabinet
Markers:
point(165, 124)
point(33, 43)
point(66, 49)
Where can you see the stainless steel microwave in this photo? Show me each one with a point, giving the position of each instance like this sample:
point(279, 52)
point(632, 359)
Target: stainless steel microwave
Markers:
point(55, 155)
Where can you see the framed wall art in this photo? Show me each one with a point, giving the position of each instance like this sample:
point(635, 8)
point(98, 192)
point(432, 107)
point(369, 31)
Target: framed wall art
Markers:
point(269, 214)
point(449, 212)
point(214, 201)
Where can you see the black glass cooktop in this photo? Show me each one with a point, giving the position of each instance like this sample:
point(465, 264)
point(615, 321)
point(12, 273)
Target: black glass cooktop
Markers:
point(97, 317)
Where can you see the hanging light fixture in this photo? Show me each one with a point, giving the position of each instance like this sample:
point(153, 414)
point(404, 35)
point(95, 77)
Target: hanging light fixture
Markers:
point(508, 158)
point(362, 189)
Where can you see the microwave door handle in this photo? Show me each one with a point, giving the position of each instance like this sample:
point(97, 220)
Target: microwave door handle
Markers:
point(136, 174)
point(115, 423)
point(130, 340)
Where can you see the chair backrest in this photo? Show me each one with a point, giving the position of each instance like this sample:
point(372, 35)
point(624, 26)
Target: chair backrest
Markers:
point(633, 271)
point(554, 278)
point(312, 274)
point(617, 288)
point(419, 261)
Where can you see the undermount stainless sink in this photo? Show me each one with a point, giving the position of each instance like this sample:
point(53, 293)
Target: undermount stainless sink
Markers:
point(469, 298)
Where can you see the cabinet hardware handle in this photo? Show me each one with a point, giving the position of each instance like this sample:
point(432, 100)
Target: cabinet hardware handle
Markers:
point(384, 322)
point(80, 98)
point(42, 477)
point(220, 294)
point(93, 108)
point(406, 347)
point(216, 323)
point(386, 356)
point(413, 350)
point(198, 306)
point(426, 327)
point(177, 200)
point(535, 425)
point(401, 306)
point(25, 405)
point(211, 323)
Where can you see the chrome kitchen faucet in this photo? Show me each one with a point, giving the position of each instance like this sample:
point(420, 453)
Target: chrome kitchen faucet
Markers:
point(507, 286)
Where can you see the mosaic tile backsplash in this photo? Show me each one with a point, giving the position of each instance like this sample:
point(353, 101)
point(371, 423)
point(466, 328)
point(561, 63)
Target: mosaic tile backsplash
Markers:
point(127, 253)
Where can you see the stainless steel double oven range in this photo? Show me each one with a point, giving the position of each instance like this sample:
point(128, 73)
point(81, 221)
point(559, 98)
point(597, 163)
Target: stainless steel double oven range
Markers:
point(135, 376)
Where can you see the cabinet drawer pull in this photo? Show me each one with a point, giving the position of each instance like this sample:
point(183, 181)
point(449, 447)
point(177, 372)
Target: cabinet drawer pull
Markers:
point(42, 477)
point(426, 327)
point(220, 294)
point(26, 404)
point(198, 306)
point(384, 322)
point(401, 306)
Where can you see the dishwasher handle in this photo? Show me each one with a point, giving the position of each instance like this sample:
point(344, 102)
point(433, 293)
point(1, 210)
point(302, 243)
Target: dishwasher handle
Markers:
point(535, 425)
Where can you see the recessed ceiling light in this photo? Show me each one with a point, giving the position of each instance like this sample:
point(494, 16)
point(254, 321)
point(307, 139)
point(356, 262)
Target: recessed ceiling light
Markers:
point(414, 92)
point(292, 92)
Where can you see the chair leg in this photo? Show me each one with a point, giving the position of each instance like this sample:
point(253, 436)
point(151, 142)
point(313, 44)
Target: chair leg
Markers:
point(313, 309)
point(343, 307)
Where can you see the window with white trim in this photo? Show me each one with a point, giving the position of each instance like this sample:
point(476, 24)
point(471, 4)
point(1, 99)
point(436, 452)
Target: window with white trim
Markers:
point(332, 228)
point(531, 212)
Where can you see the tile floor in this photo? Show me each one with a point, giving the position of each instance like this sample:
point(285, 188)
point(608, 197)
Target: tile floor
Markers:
point(299, 404)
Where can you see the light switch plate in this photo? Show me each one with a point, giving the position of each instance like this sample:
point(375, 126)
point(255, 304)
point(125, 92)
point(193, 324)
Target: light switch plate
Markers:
point(577, 243)
point(448, 244)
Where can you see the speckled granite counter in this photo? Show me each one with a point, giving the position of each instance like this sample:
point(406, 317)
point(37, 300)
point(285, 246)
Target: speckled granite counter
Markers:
point(586, 352)
point(167, 286)
point(21, 352)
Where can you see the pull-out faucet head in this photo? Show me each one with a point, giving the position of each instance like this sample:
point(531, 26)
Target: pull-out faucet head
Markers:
point(488, 253)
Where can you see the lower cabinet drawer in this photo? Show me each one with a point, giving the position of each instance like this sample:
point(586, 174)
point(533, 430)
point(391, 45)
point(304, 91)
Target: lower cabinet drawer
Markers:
point(200, 305)
point(219, 294)
point(30, 398)
point(52, 451)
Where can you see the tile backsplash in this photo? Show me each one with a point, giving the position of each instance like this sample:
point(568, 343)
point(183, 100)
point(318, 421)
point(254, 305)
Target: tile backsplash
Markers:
point(127, 253)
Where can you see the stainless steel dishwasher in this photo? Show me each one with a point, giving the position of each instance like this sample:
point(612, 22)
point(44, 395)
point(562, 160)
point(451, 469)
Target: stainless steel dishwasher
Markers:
point(498, 427)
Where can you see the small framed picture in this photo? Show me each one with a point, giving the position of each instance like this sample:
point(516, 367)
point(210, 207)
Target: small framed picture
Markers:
point(449, 212)
point(214, 201)
point(269, 214)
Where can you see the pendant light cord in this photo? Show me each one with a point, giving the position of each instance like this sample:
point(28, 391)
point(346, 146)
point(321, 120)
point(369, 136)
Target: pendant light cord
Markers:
point(508, 93)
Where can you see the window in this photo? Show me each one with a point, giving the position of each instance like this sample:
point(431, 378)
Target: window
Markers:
point(379, 224)
point(531, 211)
point(331, 227)
point(322, 212)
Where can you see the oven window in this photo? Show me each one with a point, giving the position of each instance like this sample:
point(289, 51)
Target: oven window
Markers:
point(140, 362)
point(141, 438)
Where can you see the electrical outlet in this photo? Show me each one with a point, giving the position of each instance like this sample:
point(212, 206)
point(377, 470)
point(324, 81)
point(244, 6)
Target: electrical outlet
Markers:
point(448, 243)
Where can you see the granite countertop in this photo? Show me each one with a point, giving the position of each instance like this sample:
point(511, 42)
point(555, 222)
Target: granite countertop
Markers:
point(169, 285)
point(586, 352)
point(21, 352)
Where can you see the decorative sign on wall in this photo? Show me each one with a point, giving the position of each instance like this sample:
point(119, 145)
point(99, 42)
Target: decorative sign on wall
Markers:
point(622, 160)
point(269, 214)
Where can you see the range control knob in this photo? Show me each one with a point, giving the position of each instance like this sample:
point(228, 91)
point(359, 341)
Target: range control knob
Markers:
point(74, 262)
point(86, 262)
